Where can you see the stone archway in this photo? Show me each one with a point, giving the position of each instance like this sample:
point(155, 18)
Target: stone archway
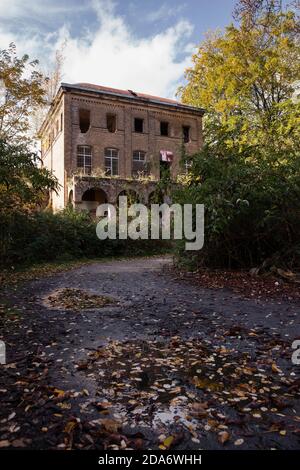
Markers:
point(156, 197)
point(91, 199)
point(132, 196)
point(71, 198)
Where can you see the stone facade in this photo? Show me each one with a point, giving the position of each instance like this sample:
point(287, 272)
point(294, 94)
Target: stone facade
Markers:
point(100, 142)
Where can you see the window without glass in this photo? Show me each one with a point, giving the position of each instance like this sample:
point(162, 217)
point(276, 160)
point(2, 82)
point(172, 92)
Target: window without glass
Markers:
point(111, 161)
point(138, 125)
point(111, 122)
point(165, 170)
point(164, 128)
point(186, 134)
point(84, 158)
point(84, 120)
point(139, 166)
point(187, 166)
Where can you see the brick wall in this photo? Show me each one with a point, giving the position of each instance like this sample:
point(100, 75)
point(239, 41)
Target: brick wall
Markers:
point(62, 155)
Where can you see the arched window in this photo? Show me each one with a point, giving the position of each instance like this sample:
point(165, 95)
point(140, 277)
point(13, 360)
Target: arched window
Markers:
point(111, 161)
point(139, 166)
point(84, 158)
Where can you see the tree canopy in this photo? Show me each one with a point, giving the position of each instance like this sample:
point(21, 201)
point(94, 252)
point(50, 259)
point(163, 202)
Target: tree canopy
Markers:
point(247, 174)
point(24, 93)
point(245, 76)
point(22, 182)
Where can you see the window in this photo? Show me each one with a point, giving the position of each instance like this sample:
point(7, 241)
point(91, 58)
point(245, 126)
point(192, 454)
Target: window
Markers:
point(84, 158)
point(61, 121)
point(186, 134)
point(111, 122)
point(165, 170)
point(84, 120)
point(111, 161)
point(164, 128)
point(187, 166)
point(138, 125)
point(139, 166)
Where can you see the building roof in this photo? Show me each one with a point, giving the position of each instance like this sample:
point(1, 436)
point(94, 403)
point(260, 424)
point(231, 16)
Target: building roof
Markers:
point(130, 94)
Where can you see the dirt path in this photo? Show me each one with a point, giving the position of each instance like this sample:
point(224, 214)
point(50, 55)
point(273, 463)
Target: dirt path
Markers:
point(168, 364)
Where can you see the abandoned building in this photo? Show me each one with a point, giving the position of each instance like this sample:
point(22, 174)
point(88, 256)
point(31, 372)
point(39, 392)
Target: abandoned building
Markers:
point(102, 142)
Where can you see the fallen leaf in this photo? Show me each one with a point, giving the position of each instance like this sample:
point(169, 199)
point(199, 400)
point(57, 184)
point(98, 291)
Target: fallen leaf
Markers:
point(275, 368)
point(223, 437)
point(4, 444)
point(239, 442)
point(168, 442)
point(111, 425)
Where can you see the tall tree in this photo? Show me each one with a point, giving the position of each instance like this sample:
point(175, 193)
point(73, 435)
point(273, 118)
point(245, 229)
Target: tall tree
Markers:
point(24, 93)
point(245, 76)
point(51, 82)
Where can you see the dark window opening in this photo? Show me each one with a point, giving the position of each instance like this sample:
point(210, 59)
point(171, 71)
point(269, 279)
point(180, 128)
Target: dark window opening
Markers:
point(164, 128)
point(61, 121)
point(165, 170)
point(186, 134)
point(84, 120)
point(111, 121)
point(138, 125)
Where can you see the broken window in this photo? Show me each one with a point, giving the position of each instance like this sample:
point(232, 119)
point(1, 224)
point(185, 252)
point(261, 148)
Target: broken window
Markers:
point(186, 134)
point(138, 125)
point(164, 128)
point(111, 161)
point(111, 122)
point(84, 120)
point(84, 158)
point(187, 166)
point(165, 170)
point(139, 165)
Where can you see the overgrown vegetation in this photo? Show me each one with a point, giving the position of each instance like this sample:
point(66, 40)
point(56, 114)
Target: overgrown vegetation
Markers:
point(43, 236)
point(252, 208)
point(29, 233)
point(247, 174)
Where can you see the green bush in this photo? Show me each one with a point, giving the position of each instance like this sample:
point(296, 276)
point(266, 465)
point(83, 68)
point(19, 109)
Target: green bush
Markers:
point(43, 236)
point(252, 209)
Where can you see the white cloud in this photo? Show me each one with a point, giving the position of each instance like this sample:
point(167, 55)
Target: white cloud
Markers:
point(115, 57)
point(111, 54)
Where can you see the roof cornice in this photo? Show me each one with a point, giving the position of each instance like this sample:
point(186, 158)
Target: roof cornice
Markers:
point(134, 99)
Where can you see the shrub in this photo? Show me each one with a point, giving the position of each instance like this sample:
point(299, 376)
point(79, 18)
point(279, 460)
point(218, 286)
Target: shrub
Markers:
point(252, 209)
point(44, 236)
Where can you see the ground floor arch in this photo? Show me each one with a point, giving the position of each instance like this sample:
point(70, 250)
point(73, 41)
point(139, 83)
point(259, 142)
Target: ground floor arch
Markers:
point(132, 196)
point(91, 199)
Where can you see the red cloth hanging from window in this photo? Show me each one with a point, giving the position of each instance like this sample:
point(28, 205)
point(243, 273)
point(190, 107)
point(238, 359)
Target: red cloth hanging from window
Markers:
point(166, 156)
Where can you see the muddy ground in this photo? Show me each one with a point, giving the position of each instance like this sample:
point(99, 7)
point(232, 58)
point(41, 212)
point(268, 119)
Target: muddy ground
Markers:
point(162, 364)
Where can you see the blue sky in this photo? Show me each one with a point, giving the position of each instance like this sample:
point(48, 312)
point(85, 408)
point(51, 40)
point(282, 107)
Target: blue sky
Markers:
point(141, 45)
